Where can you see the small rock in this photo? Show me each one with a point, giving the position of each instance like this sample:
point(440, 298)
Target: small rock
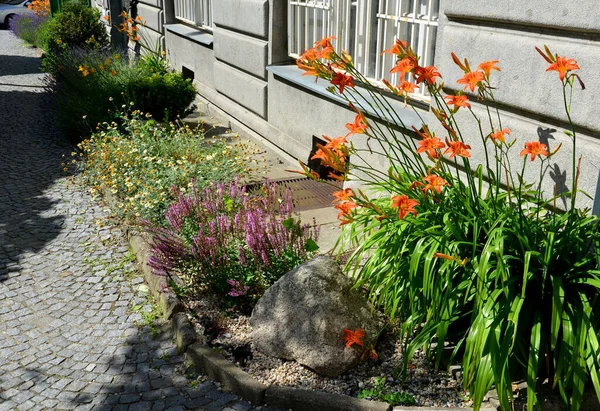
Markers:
point(226, 335)
point(361, 384)
point(143, 289)
point(304, 314)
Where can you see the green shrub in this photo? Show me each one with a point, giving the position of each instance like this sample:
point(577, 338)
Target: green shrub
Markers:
point(89, 86)
point(77, 25)
point(164, 96)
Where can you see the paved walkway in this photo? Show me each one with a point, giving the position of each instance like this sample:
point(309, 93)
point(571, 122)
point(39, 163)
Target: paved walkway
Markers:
point(75, 326)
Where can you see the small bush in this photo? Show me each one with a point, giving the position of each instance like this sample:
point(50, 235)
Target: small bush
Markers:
point(236, 243)
point(76, 26)
point(89, 87)
point(140, 160)
point(164, 96)
point(91, 84)
point(29, 27)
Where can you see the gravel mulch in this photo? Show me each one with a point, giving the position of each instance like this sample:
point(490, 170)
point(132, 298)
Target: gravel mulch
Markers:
point(231, 334)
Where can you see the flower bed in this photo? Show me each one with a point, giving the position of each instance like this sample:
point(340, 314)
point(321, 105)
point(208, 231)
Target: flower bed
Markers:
point(465, 251)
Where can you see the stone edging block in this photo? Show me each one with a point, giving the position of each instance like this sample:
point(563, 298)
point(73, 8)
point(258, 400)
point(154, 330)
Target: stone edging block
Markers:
point(228, 374)
point(306, 400)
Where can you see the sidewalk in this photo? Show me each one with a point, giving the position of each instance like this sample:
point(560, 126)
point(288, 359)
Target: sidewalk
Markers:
point(76, 329)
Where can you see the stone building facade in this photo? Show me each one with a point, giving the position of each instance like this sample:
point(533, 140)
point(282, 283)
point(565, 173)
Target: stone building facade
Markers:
point(240, 54)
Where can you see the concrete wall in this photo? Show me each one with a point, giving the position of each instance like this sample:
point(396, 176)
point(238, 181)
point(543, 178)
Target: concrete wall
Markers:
point(240, 46)
point(249, 35)
point(530, 97)
point(152, 13)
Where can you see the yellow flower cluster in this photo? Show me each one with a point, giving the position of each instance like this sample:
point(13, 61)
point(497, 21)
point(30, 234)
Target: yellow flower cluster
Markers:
point(142, 163)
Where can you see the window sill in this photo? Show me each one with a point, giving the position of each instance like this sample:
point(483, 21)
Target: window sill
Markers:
point(192, 34)
point(407, 117)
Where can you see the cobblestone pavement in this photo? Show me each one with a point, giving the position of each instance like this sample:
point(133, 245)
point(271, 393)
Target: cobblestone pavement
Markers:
point(76, 330)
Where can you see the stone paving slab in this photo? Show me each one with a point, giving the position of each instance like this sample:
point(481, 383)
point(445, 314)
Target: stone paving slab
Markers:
point(76, 330)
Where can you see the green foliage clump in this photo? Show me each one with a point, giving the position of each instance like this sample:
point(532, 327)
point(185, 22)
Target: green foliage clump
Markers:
point(380, 392)
point(76, 25)
point(164, 96)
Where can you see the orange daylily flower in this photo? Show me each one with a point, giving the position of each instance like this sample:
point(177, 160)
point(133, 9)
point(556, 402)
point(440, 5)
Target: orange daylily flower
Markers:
point(309, 55)
point(325, 41)
point(405, 205)
point(534, 149)
point(359, 126)
point(444, 256)
point(398, 48)
point(307, 68)
point(563, 65)
point(427, 74)
point(336, 143)
point(471, 79)
point(342, 80)
point(325, 53)
point(343, 195)
point(500, 134)
point(430, 145)
point(406, 65)
point(457, 148)
point(488, 66)
point(345, 209)
point(354, 337)
point(407, 87)
point(330, 158)
point(458, 101)
point(434, 183)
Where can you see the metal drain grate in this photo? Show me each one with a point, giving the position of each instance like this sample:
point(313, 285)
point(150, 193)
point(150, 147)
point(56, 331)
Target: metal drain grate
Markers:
point(309, 194)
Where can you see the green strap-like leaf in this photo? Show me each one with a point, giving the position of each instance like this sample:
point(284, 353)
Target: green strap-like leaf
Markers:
point(533, 363)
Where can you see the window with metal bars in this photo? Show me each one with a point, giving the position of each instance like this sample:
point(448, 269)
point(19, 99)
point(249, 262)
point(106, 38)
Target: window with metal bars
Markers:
point(365, 28)
point(195, 12)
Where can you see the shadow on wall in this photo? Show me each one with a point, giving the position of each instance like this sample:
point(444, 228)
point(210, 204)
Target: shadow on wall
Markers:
point(31, 149)
point(557, 175)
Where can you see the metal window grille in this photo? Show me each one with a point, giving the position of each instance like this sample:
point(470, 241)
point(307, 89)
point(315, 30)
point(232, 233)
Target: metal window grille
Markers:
point(195, 12)
point(365, 28)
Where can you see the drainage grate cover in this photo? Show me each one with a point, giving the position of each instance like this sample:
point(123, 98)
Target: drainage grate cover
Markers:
point(309, 194)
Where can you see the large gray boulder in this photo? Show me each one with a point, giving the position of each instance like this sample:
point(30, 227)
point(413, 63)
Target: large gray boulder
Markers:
point(303, 315)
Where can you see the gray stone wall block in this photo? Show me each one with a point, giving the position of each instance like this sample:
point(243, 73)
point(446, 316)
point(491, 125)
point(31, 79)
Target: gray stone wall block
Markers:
point(523, 82)
point(153, 16)
point(183, 52)
point(241, 51)
point(247, 16)
point(579, 15)
point(246, 90)
point(151, 37)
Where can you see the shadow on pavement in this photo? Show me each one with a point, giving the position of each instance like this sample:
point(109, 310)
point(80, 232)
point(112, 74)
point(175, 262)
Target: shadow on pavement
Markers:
point(19, 65)
point(149, 374)
point(30, 162)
